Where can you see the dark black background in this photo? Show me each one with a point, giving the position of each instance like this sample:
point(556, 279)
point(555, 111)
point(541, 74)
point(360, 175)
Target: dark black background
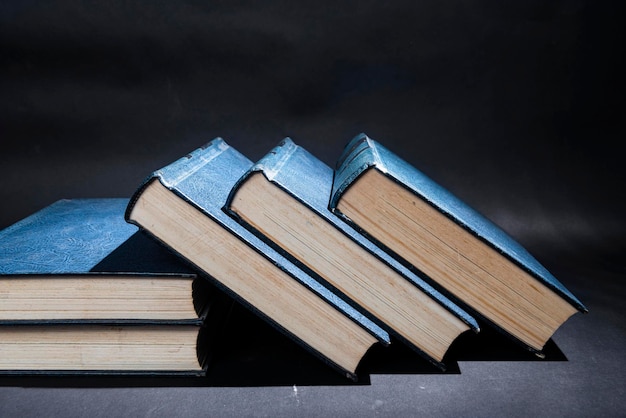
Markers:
point(518, 107)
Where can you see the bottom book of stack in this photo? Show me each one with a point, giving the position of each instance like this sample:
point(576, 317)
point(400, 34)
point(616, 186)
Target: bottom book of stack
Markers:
point(103, 349)
point(82, 291)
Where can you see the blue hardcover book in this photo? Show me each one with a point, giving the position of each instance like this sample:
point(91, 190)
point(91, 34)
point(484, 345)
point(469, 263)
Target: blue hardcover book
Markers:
point(76, 277)
point(181, 206)
point(78, 259)
point(427, 227)
point(283, 199)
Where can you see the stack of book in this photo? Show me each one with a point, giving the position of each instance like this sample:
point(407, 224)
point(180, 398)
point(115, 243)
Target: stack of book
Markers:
point(82, 291)
point(338, 260)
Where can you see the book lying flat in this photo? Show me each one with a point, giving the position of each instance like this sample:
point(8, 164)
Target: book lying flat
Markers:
point(181, 206)
point(427, 227)
point(78, 259)
point(82, 291)
point(100, 348)
point(283, 199)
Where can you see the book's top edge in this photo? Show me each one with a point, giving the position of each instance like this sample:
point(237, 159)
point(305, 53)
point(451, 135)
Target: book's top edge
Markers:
point(269, 165)
point(186, 166)
point(273, 161)
point(364, 153)
point(179, 170)
point(357, 157)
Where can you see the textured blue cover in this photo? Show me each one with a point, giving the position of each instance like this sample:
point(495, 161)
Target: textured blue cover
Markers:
point(69, 236)
point(86, 237)
point(204, 178)
point(363, 153)
point(309, 180)
point(78, 236)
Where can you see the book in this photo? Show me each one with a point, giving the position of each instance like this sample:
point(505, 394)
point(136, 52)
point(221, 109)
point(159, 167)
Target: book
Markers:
point(461, 251)
point(79, 259)
point(181, 206)
point(283, 199)
point(102, 348)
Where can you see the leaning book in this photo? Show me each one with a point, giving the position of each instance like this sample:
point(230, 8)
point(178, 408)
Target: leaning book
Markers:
point(181, 206)
point(82, 291)
point(428, 228)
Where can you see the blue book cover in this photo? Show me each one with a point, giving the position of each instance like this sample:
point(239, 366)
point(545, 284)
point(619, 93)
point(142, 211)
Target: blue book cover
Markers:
point(309, 180)
point(363, 154)
point(68, 236)
point(88, 243)
point(201, 182)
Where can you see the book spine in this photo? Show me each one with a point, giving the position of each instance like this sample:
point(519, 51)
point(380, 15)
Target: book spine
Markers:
point(272, 164)
point(358, 156)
